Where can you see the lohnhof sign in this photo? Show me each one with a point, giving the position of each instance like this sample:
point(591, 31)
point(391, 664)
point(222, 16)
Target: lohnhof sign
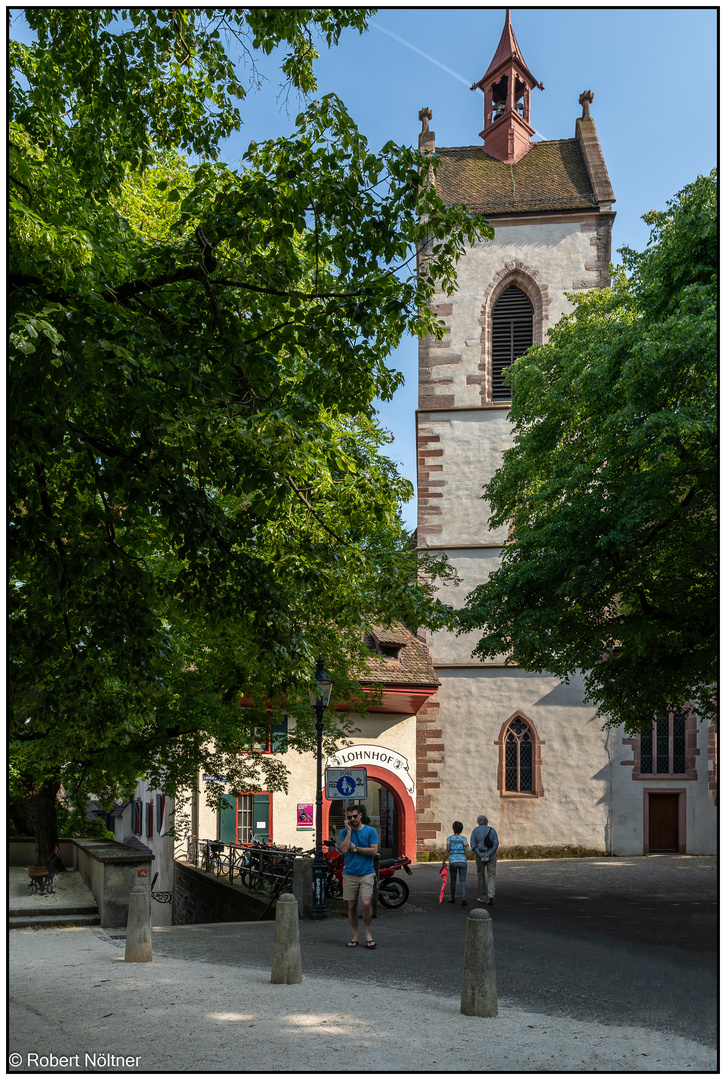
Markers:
point(370, 754)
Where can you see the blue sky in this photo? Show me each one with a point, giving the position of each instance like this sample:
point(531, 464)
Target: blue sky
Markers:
point(652, 71)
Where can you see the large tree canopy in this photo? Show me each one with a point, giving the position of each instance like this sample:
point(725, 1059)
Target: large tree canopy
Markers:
point(199, 503)
point(611, 484)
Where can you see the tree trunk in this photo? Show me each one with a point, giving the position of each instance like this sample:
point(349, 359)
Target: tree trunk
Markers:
point(19, 816)
point(41, 805)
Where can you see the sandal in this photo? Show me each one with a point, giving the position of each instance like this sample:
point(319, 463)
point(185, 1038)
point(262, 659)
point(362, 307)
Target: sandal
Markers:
point(352, 945)
point(370, 944)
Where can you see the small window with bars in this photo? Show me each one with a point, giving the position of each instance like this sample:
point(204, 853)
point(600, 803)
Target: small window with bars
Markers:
point(663, 750)
point(512, 335)
point(244, 819)
point(518, 757)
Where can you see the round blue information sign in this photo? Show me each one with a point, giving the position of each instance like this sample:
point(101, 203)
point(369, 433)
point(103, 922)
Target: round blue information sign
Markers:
point(346, 786)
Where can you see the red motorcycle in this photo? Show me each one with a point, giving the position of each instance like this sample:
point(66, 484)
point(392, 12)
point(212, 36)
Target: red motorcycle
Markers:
point(392, 892)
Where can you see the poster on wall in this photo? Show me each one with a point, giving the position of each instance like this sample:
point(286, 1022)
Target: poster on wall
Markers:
point(304, 815)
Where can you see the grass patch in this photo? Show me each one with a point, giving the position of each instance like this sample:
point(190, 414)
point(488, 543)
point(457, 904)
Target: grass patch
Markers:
point(521, 851)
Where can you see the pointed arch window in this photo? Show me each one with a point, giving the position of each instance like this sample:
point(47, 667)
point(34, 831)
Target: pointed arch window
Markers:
point(512, 335)
point(520, 758)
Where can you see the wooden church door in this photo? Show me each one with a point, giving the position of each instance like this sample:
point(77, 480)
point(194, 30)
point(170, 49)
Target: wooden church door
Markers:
point(662, 822)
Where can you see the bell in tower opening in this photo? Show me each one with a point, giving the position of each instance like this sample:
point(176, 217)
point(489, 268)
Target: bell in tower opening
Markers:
point(506, 87)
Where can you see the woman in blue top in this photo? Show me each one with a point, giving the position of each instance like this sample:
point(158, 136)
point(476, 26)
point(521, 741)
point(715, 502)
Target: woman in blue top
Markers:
point(456, 848)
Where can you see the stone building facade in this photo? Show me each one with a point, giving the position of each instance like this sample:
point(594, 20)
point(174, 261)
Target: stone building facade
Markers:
point(524, 748)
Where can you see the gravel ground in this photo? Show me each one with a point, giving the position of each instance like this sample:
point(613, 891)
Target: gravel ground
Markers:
point(72, 995)
point(70, 890)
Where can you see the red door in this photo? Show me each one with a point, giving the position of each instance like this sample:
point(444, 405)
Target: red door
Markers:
point(663, 822)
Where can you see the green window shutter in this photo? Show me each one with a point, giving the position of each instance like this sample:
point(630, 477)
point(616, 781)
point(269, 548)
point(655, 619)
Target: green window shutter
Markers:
point(261, 816)
point(279, 737)
point(228, 820)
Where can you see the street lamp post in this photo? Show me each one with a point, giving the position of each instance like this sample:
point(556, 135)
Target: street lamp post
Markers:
point(319, 699)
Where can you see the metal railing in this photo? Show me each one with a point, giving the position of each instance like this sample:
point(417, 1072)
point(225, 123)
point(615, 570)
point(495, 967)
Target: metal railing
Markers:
point(256, 868)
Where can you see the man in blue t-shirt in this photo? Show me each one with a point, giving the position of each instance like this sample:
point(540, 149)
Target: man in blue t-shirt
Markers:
point(359, 843)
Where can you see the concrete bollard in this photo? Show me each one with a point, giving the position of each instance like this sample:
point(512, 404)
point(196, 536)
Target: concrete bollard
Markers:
point(138, 927)
point(479, 985)
point(286, 962)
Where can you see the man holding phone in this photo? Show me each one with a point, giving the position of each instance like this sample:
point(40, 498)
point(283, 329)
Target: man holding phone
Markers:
point(359, 843)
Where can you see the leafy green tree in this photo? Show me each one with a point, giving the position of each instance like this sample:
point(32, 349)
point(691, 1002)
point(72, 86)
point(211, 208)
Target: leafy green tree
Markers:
point(199, 499)
point(611, 484)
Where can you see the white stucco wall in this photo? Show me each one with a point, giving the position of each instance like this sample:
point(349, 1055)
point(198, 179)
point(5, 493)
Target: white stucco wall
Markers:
point(474, 705)
point(391, 731)
point(162, 848)
point(472, 445)
point(628, 800)
point(473, 566)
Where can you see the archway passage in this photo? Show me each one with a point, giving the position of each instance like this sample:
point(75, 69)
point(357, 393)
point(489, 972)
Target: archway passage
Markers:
point(404, 806)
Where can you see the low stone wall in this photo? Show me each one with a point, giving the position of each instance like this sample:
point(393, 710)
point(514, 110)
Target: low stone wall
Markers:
point(524, 852)
point(200, 897)
point(111, 870)
point(21, 851)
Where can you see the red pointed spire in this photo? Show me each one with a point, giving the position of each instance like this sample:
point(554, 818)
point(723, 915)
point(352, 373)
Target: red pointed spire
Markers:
point(506, 87)
point(507, 50)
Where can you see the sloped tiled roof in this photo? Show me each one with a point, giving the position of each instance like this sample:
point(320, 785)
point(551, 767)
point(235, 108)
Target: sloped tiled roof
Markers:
point(551, 176)
point(413, 667)
point(391, 636)
point(134, 842)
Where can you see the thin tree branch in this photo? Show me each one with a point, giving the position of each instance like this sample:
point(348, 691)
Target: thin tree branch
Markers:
point(313, 511)
point(24, 187)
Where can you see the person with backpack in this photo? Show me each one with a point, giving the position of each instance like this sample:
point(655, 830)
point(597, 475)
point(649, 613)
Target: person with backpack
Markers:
point(484, 843)
point(456, 849)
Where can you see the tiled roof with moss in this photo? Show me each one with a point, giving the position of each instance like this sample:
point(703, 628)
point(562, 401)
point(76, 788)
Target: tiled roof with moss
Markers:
point(551, 176)
point(413, 666)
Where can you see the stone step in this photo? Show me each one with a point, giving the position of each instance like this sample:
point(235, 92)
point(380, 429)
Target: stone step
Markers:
point(43, 919)
point(57, 909)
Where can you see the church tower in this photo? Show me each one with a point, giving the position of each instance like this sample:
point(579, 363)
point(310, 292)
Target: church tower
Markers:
point(521, 747)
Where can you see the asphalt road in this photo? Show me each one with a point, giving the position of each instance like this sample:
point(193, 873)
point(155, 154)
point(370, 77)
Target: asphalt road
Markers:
point(628, 941)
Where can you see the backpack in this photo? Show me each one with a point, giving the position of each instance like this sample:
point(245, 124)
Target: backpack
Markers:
point(488, 842)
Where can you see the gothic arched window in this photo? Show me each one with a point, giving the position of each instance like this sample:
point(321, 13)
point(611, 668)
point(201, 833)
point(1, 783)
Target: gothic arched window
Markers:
point(519, 758)
point(512, 335)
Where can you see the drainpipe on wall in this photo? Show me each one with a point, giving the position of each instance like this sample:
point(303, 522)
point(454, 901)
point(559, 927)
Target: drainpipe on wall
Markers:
point(610, 793)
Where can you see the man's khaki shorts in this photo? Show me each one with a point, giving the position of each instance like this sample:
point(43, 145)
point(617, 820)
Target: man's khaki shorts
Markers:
point(358, 884)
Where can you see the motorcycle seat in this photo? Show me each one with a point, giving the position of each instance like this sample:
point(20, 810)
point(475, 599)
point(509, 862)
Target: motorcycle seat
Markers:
point(388, 862)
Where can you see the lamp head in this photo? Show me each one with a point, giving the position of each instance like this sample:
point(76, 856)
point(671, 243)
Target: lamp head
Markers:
point(321, 693)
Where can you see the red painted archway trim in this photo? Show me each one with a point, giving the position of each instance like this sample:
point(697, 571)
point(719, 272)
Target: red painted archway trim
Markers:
point(404, 805)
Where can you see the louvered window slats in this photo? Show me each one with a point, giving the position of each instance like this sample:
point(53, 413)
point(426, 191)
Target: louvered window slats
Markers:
point(511, 336)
